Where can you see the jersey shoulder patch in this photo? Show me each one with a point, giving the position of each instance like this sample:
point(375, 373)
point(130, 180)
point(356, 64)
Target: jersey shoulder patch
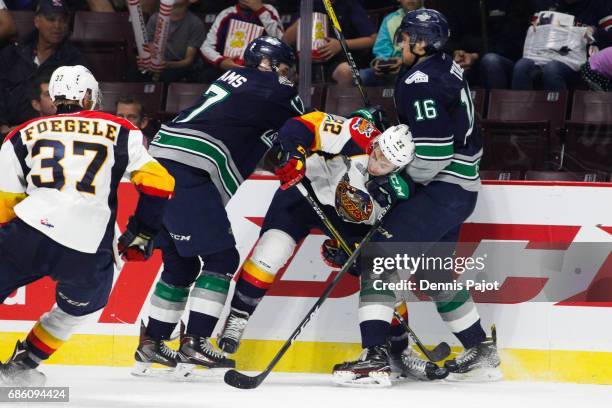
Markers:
point(417, 77)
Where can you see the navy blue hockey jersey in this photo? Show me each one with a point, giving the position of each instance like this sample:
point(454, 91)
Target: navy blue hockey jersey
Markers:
point(434, 99)
point(229, 129)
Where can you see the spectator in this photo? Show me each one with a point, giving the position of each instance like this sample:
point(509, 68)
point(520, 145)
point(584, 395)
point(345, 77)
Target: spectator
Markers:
point(226, 42)
point(39, 96)
point(185, 36)
point(359, 32)
point(47, 49)
point(129, 107)
point(487, 38)
point(7, 26)
point(385, 50)
point(93, 5)
point(555, 75)
point(597, 72)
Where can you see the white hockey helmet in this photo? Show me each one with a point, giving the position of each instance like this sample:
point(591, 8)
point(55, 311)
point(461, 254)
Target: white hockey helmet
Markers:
point(74, 83)
point(396, 145)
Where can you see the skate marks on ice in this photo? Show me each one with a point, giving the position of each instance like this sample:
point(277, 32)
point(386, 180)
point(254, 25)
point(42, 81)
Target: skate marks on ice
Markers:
point(111, 387)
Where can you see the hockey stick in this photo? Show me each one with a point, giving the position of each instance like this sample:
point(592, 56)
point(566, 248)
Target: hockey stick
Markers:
point(349, 57)
point(442, 350)
point(239, 380)
point(439, 353)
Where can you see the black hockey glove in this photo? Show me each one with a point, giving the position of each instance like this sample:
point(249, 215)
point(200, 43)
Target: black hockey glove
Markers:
point(136, 243)
point(375, 114)
point(389, 189)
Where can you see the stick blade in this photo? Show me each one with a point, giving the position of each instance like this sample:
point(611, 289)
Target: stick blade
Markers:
point(238, 380)
point(440, 352)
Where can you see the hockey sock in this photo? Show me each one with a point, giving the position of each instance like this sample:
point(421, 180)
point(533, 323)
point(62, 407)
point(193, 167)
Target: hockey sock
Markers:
point(51, 331)
point(398, 336)
point(210, 292)
point(472, 336)
point(462, 318)
point(167, 306)
point(251, 287)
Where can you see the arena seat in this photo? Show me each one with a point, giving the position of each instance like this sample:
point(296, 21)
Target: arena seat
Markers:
point(182, 95)
point(588, 143)
point(500, 175)
point(521, 129)
point(342, 100)
point(479, 99)
point(148, 93)
point(24, 20)
point(561, 176)
point(103, 39)
point(317, 97)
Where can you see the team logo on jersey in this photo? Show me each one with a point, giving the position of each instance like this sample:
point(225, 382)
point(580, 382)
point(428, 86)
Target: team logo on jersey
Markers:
point(269, 136)
point(423, 17)
point(46, 223)
point(417, 78)
point(363, 127)
point(352, 204)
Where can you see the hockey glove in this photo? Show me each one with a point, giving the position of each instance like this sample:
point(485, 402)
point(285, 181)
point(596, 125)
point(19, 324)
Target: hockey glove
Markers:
point(292, 167)
point(136, 243)
point(389, 189)
point(335, 257)
point(375, 114)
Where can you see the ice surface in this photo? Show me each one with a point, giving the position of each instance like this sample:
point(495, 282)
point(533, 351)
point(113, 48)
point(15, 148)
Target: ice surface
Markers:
point(115, 387)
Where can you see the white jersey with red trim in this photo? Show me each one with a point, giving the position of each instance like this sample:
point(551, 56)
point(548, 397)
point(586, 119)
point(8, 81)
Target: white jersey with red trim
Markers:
point(60, 175)
point(338, 167)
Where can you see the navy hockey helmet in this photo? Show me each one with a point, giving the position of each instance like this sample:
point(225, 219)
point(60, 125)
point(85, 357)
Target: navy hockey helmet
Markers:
point(429, 26)
point(272, 48)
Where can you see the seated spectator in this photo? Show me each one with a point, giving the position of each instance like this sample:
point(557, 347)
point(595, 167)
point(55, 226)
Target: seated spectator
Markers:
point(487, 38)
point(39, 96)
point(185, 36)
point(47, 49)
point(555, 75)
point(130, 107)
point(359, 32)
point(232, 30)
point(7, 26)
point(597, 72)
point(385, 51)
point(92, 5)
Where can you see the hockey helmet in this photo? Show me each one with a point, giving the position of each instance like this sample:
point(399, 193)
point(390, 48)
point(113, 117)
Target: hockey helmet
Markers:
point(396, 145)
point(272, 48)
point(427, 25)
point(74, 83)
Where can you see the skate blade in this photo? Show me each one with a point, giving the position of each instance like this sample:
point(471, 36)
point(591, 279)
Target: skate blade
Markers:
point(478, 375)
point(194, 372)
point(374, 380)
point(141, 369)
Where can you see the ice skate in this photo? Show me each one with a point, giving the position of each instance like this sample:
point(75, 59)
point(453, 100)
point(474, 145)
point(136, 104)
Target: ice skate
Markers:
point(151, 351)
point(198, 352)
point(372, 369)
point(477, 364)
point(410, 366)
point(229, 339)
point(16, 373)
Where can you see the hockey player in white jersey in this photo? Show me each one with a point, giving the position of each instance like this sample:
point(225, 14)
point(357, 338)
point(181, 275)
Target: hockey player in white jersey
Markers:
point(342, 155)
point(58, 204)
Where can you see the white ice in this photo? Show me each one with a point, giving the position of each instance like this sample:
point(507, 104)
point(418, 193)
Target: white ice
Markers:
point(115, 387)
